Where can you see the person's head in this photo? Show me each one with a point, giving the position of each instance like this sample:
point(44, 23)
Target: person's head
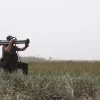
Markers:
point(9, 37)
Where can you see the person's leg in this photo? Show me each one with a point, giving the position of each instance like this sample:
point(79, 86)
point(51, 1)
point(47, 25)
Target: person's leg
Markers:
point(23, 66)
point(1, 62)
point(13, 67)
point(6, 67)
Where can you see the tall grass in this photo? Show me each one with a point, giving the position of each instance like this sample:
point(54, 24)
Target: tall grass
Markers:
point(74, 67)
point(67, 80)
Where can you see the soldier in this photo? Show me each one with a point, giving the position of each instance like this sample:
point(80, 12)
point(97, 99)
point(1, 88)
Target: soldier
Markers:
point(10, 58)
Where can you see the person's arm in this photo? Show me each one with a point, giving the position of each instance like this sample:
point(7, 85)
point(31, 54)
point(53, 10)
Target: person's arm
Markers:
point(8, 48)
point(23, 48)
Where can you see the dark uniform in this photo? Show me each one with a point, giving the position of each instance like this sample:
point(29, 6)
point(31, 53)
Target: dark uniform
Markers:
point(9, 61)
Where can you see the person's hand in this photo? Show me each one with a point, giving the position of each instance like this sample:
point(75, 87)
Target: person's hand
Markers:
point(12, 40)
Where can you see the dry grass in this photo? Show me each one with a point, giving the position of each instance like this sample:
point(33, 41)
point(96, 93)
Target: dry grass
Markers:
point(65, 79)
point(74, 67)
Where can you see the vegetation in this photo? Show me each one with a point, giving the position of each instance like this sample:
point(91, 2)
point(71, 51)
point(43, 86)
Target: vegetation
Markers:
point(47, 79)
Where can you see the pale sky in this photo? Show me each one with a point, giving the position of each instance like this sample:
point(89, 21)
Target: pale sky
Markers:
point(62, 29)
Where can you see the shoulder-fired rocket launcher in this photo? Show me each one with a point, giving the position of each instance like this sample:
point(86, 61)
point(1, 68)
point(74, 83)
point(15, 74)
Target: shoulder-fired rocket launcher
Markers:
point(5, 42)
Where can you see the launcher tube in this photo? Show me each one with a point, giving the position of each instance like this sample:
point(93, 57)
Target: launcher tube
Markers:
point(5, 42)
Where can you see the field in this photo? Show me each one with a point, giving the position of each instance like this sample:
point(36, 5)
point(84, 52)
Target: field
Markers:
point(47, 80)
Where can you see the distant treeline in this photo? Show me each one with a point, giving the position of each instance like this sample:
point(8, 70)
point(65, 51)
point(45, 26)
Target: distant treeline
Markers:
point(30, 59)
point(33, 58)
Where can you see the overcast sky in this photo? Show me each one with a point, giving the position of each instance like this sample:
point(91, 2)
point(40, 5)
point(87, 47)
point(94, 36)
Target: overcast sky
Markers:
point(62, 29)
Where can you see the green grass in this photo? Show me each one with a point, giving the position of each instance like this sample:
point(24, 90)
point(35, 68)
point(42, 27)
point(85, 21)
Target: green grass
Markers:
point(66, 79)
